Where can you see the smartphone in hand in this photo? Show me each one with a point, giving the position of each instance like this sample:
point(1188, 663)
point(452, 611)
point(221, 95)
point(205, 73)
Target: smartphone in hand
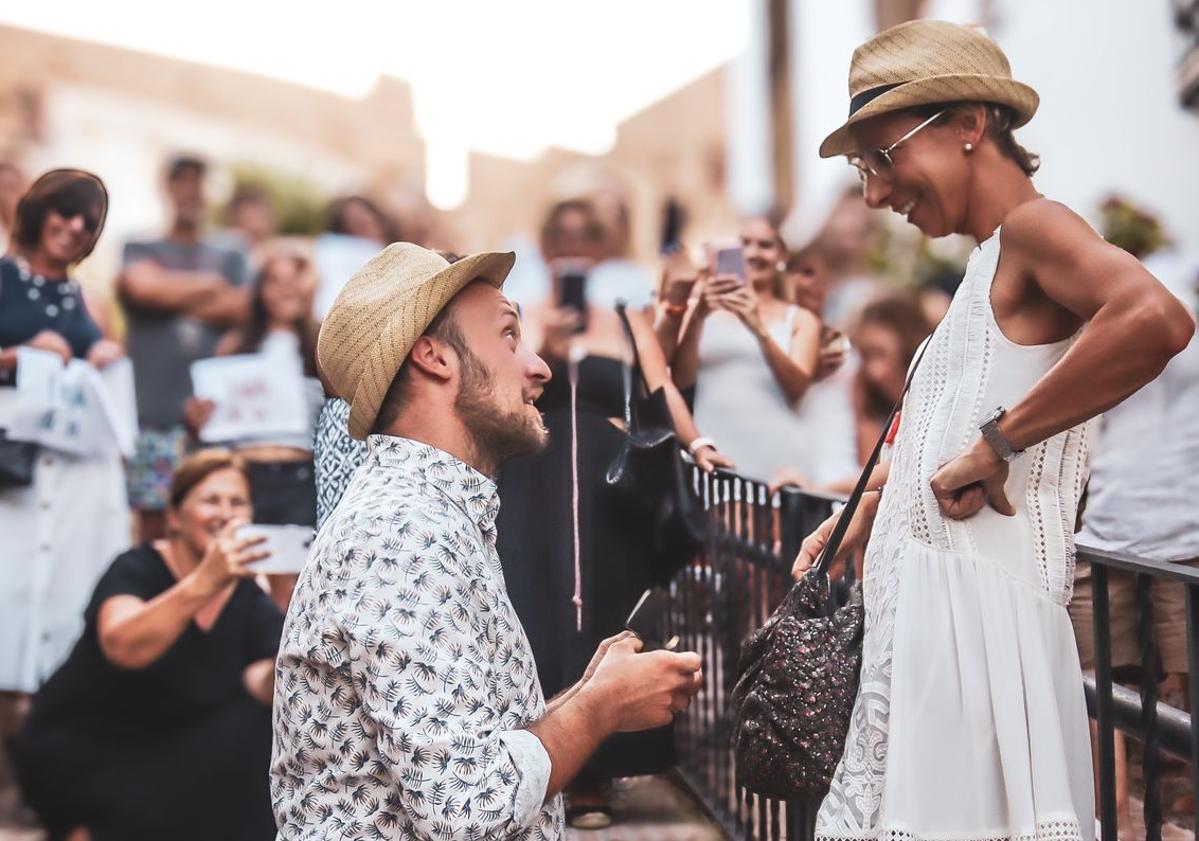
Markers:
point(572, 294)
point(288, 547)
point(731, 261)
point(646, 620)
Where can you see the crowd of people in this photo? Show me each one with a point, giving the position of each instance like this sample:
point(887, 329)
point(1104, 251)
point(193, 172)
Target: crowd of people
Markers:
point(137, 637)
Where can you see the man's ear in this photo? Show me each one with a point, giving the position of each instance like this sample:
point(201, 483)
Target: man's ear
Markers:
point(434, 358)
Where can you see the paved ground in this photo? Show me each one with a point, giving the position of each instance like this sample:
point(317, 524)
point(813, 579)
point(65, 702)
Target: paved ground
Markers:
point(645, 808)
point(651, 809)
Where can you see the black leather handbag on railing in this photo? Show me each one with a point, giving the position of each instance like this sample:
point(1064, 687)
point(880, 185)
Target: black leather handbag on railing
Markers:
point(650, 471)
point(797, 678)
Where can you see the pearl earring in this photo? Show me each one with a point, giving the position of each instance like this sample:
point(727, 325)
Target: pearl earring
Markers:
point(969, 147)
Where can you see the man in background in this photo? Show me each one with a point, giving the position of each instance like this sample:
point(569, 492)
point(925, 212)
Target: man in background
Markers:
point(180, 294)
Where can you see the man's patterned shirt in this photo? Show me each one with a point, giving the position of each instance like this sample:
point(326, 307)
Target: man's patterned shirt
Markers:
point(405, 682)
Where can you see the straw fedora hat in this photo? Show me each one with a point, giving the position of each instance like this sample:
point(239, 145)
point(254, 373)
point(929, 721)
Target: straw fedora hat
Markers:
point(923, 62)
point(381, 312)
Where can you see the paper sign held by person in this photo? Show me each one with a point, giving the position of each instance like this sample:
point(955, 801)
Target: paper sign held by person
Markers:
point(74, 408)
point(254, 395)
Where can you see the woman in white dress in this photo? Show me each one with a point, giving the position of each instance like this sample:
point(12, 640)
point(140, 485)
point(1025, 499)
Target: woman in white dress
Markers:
point(970, 721)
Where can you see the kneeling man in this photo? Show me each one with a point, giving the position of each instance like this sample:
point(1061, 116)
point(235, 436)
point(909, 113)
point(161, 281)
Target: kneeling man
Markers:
point(407, 703)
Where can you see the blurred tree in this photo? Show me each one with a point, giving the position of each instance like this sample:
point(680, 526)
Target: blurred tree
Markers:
point(299, 206)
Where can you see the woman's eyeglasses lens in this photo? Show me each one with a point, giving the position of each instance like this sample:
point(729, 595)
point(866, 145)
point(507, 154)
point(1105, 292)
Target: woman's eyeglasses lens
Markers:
point(874, 163)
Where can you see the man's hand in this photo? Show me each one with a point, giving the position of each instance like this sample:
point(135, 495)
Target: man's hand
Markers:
point(633, 691)
point(600, 652)
point(970, 481)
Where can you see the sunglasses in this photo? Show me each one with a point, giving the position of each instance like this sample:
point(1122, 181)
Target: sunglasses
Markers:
point(69, 210)
point(877, 163)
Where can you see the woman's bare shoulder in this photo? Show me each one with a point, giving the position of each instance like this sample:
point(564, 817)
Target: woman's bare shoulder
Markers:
point(1042, 224)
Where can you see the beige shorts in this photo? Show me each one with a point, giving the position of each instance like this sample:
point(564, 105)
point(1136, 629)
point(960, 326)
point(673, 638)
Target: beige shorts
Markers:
point(1169, 619)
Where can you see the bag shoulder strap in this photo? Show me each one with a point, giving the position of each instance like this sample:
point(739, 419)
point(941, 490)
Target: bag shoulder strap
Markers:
point(631, 373)
point(851, 505)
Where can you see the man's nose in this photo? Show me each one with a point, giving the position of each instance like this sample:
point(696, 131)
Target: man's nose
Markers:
point(537, 370)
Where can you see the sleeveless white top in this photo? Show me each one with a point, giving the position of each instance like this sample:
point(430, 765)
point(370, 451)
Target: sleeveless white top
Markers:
point(741, 406)
point(970, 721)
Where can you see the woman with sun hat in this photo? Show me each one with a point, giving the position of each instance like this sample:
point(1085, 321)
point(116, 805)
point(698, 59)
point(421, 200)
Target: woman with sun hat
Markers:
point(970, 721)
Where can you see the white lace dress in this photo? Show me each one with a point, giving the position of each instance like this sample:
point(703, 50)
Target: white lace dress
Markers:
point(970, 721)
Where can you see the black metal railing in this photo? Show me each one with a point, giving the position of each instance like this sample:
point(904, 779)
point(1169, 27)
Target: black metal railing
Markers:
point(745, 570)
point(730, 589)
point(1160, 728)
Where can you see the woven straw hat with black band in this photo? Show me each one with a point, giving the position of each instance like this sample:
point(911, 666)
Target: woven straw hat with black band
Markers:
point(380, 313)
point(925, 62)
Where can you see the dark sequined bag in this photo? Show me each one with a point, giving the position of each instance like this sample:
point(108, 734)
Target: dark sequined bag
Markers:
point(797, 679)
point(795, 692)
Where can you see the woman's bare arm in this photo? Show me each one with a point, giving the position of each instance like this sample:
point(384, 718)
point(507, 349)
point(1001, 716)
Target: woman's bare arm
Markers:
point(684, 366)
point(259, 680)
point(134, 633)
point(653, 364)
point(1133, 324)
point(1132, 328)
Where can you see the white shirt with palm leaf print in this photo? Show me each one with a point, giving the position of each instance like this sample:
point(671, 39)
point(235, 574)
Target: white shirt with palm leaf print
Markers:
point(405, 683)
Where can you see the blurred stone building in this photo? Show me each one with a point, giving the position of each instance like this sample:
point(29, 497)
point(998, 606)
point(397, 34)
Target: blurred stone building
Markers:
point(122, 112)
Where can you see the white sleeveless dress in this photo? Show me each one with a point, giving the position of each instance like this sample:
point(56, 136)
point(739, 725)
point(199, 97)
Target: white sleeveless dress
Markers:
point(970, 722)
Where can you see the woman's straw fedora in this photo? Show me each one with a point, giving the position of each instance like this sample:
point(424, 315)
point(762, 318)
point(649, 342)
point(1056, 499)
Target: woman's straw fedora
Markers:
point(924, 62)
point(381, 312)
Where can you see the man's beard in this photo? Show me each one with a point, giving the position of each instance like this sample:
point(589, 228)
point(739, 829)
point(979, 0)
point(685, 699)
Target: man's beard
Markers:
point(497, 436)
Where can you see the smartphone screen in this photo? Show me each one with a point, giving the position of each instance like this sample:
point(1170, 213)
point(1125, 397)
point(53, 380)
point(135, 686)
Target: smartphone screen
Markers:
point(288, 546)
point(573, 295)
point(731, 261)
point(646, 617)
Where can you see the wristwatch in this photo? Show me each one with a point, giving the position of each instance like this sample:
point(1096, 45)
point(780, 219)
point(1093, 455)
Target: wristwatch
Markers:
point(991, 434)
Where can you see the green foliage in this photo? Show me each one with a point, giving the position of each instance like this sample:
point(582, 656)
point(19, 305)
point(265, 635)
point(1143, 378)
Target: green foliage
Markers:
point(299, 206)
point(1135, 230)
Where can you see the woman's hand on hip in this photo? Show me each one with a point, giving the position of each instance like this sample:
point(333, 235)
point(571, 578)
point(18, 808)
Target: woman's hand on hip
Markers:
point(970, 481)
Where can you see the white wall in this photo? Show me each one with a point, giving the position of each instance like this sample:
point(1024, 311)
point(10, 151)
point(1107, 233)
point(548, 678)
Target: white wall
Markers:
point(823, 38)
point(1109, 118)
point(750, 167)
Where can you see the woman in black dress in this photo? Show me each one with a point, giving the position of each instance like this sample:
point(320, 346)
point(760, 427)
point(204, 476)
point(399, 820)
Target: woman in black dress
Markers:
point(158, 725)
point(569, 603)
